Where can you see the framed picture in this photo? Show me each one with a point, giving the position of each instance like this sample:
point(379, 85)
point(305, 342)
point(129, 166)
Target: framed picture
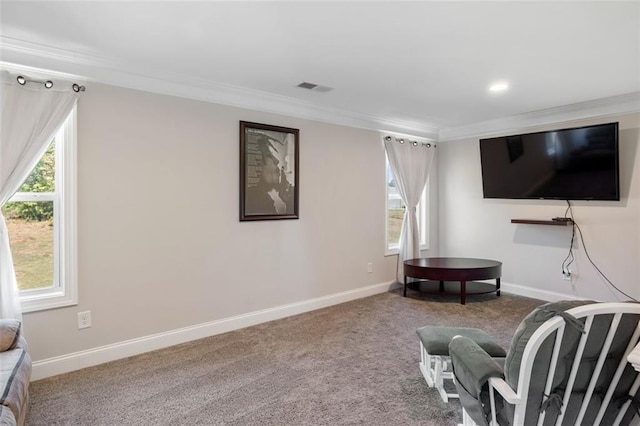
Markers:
point(268, 172)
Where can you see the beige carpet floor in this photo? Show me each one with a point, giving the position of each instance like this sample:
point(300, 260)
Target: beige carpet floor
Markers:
point(350, 364)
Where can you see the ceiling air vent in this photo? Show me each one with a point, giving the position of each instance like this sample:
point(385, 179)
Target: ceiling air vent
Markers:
point(314, 87)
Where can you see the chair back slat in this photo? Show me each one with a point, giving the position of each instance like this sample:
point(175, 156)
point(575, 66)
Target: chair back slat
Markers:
point(625, 406)
point(574, 368)
point(528, 358)
point(616, 378)
point(552, 367)
point(598, 369)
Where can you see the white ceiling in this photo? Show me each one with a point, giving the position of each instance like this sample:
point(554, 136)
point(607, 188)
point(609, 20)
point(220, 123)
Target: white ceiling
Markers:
point(417, 67)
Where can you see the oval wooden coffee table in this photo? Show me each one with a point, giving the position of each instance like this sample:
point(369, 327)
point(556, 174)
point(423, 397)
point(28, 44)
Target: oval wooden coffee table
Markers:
point(460, 269)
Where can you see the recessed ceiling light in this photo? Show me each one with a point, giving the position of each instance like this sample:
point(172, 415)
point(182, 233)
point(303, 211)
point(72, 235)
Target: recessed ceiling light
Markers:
point(498, 86)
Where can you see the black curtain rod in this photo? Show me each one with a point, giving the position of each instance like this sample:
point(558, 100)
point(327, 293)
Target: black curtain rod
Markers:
point(414, 143)
point(47, 84)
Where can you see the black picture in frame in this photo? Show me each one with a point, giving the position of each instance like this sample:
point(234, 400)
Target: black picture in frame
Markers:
point(268, 172)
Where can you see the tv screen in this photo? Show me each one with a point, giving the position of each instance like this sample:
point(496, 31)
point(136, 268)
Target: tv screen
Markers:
point(568, 164)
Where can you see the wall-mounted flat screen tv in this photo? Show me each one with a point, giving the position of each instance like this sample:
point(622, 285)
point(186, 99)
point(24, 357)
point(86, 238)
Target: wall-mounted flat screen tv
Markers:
point(568, 164)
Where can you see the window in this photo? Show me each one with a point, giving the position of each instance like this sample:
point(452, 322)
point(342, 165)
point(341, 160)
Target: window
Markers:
point(395, 213)
point(41, 218)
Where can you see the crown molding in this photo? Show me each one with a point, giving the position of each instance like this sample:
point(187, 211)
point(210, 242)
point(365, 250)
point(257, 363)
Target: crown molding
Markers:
point(93, 68)
point(88, 67)
point(600, 108)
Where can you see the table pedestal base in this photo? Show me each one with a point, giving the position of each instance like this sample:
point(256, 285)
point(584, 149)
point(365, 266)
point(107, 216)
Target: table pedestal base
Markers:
point(452, 288)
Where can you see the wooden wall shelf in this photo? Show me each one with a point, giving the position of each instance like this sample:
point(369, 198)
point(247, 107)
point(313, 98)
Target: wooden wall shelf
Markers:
point(542, 222)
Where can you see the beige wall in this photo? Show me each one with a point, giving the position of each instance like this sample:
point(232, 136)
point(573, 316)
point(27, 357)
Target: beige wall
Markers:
point(532, 255)
point(161, 247)
point(160, 244)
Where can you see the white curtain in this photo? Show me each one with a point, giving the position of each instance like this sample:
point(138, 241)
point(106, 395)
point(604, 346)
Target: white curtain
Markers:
point(410, 163)
point(31, 114)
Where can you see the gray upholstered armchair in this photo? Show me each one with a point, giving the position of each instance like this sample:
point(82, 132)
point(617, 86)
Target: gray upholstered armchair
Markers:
point(566, 365)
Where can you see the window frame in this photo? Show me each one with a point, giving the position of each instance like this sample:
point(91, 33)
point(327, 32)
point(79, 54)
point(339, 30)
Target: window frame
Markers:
point(64, 291)
point(422, 215)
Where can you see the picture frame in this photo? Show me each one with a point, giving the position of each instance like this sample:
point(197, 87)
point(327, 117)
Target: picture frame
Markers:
point(269, 172)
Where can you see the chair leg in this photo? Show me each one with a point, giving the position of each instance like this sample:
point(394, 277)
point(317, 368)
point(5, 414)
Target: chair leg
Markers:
point(439, 379)
point(426, 369)
point(434, 371)
point(447, 373)
point(466, 419)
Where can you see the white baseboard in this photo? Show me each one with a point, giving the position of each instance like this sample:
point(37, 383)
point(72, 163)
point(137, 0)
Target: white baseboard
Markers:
point(535, 293)
point(90, 357)
point(87, 358)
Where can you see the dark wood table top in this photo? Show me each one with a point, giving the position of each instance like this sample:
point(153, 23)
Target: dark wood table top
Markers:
point(452, 268)
point(452, 263)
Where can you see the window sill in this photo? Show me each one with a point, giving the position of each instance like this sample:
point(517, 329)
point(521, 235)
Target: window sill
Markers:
point(43, 302)
point(395, 250)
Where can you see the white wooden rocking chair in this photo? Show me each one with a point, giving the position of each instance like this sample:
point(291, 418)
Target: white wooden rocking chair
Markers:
point(567, 365)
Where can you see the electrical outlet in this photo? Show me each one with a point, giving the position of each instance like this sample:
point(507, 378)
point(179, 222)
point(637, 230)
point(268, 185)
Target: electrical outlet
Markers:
point(566, 275)
point(369, 267)
point(84, 320)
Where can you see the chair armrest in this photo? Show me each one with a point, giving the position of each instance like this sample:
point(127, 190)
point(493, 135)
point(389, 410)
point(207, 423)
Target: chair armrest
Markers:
point(472, 370)
point(504, 389)
point(472, 366)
